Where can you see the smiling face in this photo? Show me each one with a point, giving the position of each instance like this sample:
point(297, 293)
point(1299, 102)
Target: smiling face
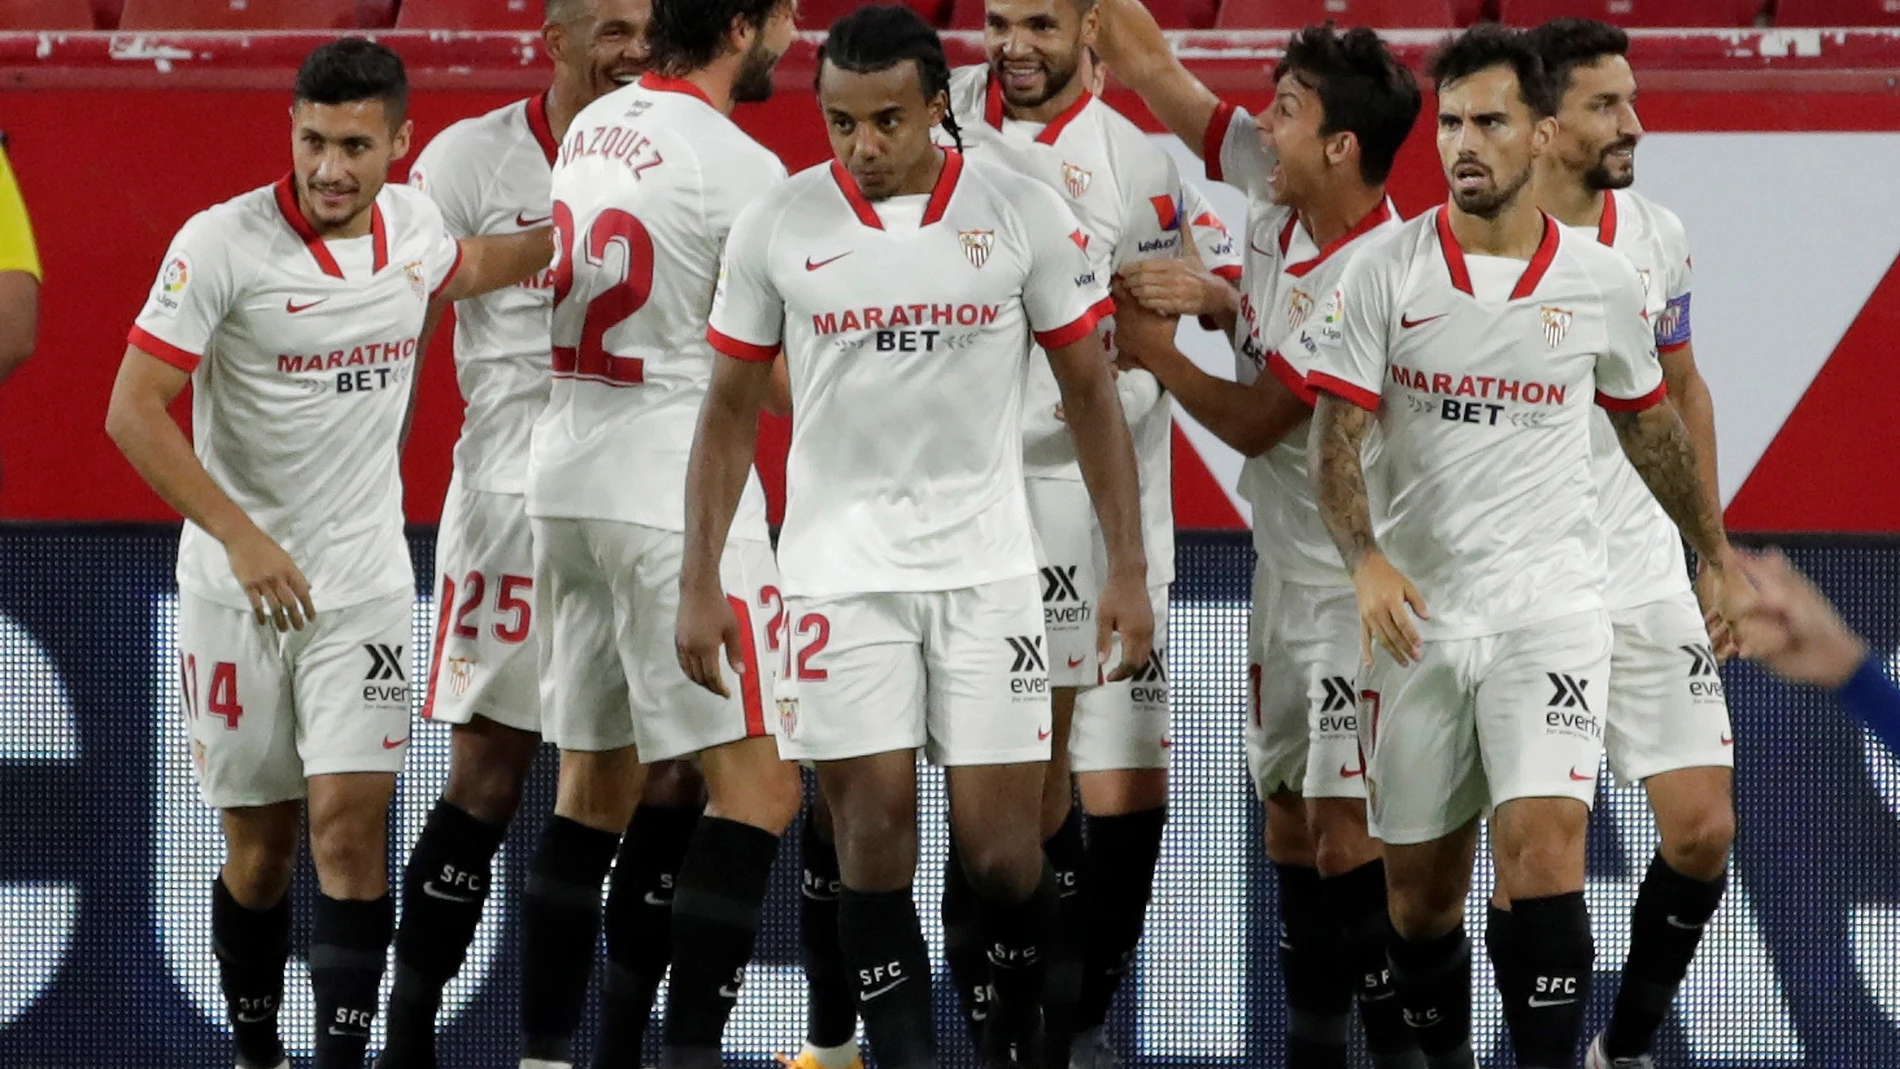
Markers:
point(766, 47)
point(1597, 127)
point(341, 155)
point(1488, 140)
point(879, 124)
point(1035, 47)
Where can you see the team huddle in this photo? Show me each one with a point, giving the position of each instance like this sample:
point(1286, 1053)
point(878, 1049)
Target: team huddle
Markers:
point(1476, 443)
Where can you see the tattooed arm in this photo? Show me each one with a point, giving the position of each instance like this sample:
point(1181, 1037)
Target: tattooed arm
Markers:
point(1339, 480)
point(1658, 446)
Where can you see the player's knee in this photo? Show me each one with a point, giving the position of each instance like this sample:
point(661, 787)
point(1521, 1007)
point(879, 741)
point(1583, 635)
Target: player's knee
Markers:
point(599, 789)
point(1289, 838)
point(765, 795)
point(673, 784)
point(1342, 845)
point(1425, 910)
point(877, 851)
point(257, 875)
point(1001, 869)
point(1698, 846)
point(490, 791)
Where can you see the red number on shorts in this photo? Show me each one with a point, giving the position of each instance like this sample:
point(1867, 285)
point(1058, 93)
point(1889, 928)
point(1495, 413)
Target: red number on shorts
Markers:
point(188, 668)
point(612, 306)
point(506, 601)
point(223, 701)
point(817, 625)
point(473, 585)
point(769, 598)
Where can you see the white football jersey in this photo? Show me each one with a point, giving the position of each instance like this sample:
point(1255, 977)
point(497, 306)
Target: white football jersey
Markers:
point(1220, 253)
point(906, 324)
point(1647, 562)
point(1129, 198)
point(491, 175)
point(646, 186)
point(1285, 277)
point(1483, 371)
point(302, 353)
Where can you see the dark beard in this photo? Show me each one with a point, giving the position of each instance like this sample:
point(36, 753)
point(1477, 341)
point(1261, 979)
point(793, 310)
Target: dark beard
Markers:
point(1490, 205)
point(754, 84)
point(1052, 87)
point(1598, 178)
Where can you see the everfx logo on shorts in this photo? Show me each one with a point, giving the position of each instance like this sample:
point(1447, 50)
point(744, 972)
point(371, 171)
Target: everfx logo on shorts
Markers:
point(385, 682)
point(1150, 683)
point(1338, 706)
point(1705, 682)
point(1062, 601)
point(1569, 709)
point(1029, 671)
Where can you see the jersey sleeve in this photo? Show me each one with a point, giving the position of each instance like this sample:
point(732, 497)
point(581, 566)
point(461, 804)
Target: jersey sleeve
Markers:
point(191, 296)
point(1233, 152)
point(748, 314)
point(444, 256)
point(445, 177)
point(1154, 207)
point(1344, 348)
point(1629, 377)
point(1672, 325)
point(1220, 254)
point(1063, 296)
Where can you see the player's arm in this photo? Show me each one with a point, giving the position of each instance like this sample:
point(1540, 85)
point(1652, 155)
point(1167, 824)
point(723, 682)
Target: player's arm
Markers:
point(431, 319)
point(492, 261)
point(139, 422)
point(19, 276)
point(1132, 45)
point(1250, 418)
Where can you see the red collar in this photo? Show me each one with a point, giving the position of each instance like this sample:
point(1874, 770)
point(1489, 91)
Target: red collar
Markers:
point(660, 83)
point(292, 212)
point(539, 126)
point(1526, 283)
point(1606, 226)
point(933, 211)
point(1371, 219)
point(993, 111)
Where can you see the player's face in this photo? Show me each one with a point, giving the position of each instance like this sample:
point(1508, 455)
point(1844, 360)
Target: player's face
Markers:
point(1488, 140)
point(1035, 47)
point(880, 124)
point(341, 155)
point(765, 47)
point(1597, 127)
point(618, 52)
point(1292, 133)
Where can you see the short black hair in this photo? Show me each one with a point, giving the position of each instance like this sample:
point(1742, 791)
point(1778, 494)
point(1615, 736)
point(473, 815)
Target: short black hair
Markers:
point(352, 69)
point(1362, 88)
point(687, 35)
point(877, 37)
point(1566, 44)
point(1487, 45)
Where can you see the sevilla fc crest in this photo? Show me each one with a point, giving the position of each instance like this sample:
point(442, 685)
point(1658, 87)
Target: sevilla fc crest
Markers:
point(416, 285)
point(787, 718)
point(1076, 179)
point(461, 674)
point(977, 245)
point(1556, 324)
point(1298, 307)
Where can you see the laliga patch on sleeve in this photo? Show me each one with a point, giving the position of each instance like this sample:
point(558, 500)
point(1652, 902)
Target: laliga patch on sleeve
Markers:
point(172, 282)
point(1672, 326)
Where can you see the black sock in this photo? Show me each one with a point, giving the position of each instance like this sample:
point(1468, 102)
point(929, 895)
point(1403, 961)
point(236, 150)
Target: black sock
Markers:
point(1118, 872)
point(963, 944)
point(884, 947)
point(1318, 987)
point(1501, 946)
point(638, 924)
point(1555, 956)
point(349, 942)
point(251, 946)
point(1062, 996)
point(1016, 936)
point(832, 1013)
point(722, 886)
point(1359, 899)
point(560, 925)
point(1433, 979)
point(1671, 910)
point(443, 890)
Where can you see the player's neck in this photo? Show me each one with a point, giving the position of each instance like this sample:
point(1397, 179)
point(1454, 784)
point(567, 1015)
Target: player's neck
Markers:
point(1047, 111)
point(1515, 232)
point(716, 81)
point(923, 177)
point(565, 99)
point(1333, 216)
point(1569, 199)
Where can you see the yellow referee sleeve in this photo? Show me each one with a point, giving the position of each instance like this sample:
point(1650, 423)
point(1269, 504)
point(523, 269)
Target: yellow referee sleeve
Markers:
point(17, 251)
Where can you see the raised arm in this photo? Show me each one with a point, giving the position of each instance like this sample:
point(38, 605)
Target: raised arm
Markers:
point(1133, 47)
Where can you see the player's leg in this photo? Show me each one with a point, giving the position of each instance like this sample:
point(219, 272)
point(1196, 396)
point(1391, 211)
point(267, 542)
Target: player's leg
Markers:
point(580, 566)
point(238, 711)
point(1668, 727)
point(1540, 705)
point(831, 1014)
point(638, 922)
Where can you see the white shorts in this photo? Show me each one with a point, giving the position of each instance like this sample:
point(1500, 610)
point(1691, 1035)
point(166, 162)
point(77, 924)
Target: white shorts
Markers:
point(1064, 521)
point(1481, 721)
point(610, 673)
point(268, 709)
point(1126, 725)
point(485, 661)
point(1667, 707)
point(962, 674)
point(1303, 655)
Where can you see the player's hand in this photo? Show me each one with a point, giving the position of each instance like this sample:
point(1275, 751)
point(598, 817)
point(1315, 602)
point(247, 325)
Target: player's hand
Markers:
point(1123, 609)
point(1384, 596)
point(1141, 333)
point(1791, 627)
point(1166, 287)
point(280, 595)
point(1708, 596)
point(706, 626)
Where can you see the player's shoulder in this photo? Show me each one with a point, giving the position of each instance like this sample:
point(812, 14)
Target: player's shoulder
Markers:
point(1397, 243)
point(801, 193)
point(969, 90)
point(1662, 222)
point(1015, 193)
point(410, 210)
point(468, 140)
point(256, 215)
point(1124, 141)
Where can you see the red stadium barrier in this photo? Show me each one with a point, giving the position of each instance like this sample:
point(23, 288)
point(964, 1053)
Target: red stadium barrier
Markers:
point(118, 138)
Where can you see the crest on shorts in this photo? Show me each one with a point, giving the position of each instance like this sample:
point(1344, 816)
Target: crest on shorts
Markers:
point(1556, 323)
point(461, 674)
point(414, 270)
point(787, 717)
point(1077, 180)
point(977, 245)
point(1298, 306)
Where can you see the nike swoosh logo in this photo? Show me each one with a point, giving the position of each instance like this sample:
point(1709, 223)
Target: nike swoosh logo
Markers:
point(429, 888)
point(253, 1018)
point(389, 745)
point(1408, 322)
point(1727, 741)
point(1380, 997)
point(1349, 773)
point(291, 305)
point(878, 992)
point(1076, 662)
point(727, 992)
point(1258, 249)
point(1684, 925)
point(522, 220)
point(1540, 1003)
point(810, 266)
point(1042, 734)
point(655, 900)
point(1575, 778)
point(335, 1031)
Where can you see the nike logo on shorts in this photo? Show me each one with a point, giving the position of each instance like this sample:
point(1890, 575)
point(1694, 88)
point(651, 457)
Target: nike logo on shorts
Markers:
point(390, 744)
point(522, 220)
point(1578, 777)
point(1076, 662)
point(1042, 734)
point(1349, 773)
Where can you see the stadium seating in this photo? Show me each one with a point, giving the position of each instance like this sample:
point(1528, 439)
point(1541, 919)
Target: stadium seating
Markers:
point(46, 14)
point(469, 15)
point(1286, 14)
point(1171, 14)
point(1837, 13)
point(238, 15)
point(818, 14)
point(1634, 12)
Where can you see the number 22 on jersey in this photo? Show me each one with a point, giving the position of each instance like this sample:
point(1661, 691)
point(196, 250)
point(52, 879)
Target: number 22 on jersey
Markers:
point(608, 308)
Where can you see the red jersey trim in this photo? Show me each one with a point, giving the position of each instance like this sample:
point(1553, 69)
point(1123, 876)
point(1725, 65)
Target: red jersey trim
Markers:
point(1081, 328)
point(1633, 404)
point(287, 206)
point(946, 186)
point(1230, 272)
point(1214, 137)
point(455, 266)
point(1319, 381)
point(1376, 217)
point(660, 83)
point(1454, 253)
point(994, 111)
point(750, 696)
point(855, 196)
point(740, 350)
point(539, 126)
point(1533, 271)
point(1674, 347)
point(160, 349)
point(1606, 226)
point(1540, 261)
point(1294, 382)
